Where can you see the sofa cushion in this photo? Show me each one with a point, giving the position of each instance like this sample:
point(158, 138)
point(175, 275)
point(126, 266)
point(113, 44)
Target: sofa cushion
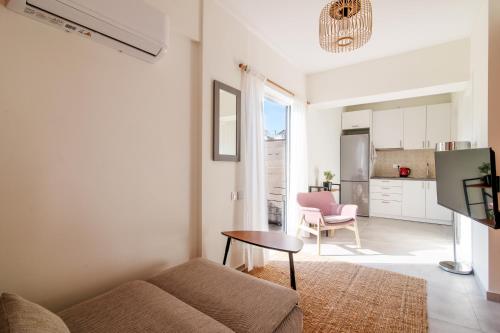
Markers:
point(137, 306)
point(18, 315)
point(239, 301)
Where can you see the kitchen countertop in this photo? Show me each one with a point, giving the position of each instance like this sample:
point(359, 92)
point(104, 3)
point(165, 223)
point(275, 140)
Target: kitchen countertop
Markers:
point(404, 178)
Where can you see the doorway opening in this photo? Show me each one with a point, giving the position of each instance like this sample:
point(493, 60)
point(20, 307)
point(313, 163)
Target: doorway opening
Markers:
point(276, 124)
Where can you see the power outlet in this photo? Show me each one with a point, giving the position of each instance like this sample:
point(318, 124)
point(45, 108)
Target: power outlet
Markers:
point(395, 166)
point(234, 196)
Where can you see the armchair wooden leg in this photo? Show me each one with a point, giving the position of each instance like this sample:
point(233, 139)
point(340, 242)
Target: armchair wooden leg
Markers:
point(319, 241)
point(356, 232)
point(332, 233)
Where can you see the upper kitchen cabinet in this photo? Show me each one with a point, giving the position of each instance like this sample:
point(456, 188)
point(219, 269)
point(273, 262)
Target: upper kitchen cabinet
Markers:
point(388, 129)
point(415, 120)
point(356, 119)
point(438, 124)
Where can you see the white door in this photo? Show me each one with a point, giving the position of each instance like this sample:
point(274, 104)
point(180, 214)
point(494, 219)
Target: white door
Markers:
point(413, 199)
point(356, 119)
point(388, 129)
point(415, 122)
point(438, 124)
point(433, 210)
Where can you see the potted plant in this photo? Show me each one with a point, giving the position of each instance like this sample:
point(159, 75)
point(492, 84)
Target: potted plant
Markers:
point(490, 214)
point(327, 184)
point(485, 170)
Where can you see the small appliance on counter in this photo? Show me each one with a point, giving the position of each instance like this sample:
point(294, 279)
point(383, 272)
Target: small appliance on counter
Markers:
point(404, 172)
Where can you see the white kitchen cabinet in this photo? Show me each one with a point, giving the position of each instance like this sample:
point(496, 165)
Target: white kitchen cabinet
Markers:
point(414, 199)
point(434, 211)
point(388, 129)
point(438, 124)
point(385, 197)
point(415, 122)
point(385, 207)
point(411, 200)
point(356, 119)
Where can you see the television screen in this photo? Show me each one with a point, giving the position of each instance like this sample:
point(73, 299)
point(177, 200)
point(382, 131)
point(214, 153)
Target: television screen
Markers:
point(467, 184)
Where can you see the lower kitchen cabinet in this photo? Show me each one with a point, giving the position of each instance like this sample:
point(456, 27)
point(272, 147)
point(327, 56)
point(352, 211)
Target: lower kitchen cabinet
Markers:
point(389, 207)
point(433, 209)
point(412, 200)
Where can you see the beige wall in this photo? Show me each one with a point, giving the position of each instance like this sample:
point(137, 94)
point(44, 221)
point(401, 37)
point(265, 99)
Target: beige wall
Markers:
point(493, 132)
point(184, 16)
point(435, 66)
point(226, 43)
point(98, 162)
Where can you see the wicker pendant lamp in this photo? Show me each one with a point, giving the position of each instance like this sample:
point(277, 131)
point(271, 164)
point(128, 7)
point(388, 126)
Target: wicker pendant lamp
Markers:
point(345, 25)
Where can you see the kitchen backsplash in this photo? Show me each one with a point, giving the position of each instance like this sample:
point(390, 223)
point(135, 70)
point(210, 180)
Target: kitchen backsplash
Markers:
point(416, 160)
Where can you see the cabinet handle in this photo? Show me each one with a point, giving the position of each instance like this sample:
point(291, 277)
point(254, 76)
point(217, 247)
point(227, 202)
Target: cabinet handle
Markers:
point(385, 195)
point(386, 188)
point(423, 144)
point(386, 202)
point(400, 143)
point(355, 126)
point(428, 143)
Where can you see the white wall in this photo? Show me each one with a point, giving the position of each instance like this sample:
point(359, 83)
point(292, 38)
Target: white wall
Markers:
point(435, 66)
point(479, 87)
point(99, 162)
point(226, 43)
point(402, 103)
point(462, 130)
point(324, 128)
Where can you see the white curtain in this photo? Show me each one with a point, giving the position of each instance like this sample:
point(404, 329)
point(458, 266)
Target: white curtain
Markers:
point(253, 148)
point(299, 166)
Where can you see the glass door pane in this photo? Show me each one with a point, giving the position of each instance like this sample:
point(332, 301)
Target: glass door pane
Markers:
point(276, 131)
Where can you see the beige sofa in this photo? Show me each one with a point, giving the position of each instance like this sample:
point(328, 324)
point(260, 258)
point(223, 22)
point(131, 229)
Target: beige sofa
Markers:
point(198, 296)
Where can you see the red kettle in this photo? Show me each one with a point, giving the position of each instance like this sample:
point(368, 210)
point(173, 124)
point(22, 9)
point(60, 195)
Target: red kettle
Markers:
point(404, 171)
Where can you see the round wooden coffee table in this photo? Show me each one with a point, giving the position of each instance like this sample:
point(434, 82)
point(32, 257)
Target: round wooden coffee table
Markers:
point(273, 240)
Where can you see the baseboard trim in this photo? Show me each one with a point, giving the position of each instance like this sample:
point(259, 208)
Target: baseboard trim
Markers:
point(494, 297)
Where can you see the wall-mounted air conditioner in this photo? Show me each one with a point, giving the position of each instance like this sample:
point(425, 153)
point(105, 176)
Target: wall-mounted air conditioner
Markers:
point(131, 26)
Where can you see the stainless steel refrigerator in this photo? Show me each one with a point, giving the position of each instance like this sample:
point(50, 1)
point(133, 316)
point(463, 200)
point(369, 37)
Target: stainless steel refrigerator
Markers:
point(355, 171)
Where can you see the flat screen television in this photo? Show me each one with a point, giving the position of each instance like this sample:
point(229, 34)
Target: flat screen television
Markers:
point(467, 184)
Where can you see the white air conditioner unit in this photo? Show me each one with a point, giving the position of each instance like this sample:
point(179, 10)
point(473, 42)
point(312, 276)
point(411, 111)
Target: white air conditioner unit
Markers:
point(131, 26)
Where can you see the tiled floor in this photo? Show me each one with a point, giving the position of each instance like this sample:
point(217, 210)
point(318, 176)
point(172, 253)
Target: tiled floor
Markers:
point(455, 303)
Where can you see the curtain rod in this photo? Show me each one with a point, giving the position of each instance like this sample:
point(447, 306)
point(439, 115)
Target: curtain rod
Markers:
point(244, 68)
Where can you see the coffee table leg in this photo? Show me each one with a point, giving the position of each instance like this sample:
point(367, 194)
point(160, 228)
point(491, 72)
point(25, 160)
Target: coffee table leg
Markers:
point(292, 271)
point(227, 250)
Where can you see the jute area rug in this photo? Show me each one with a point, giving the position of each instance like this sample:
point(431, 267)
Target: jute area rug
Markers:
point(343, 297)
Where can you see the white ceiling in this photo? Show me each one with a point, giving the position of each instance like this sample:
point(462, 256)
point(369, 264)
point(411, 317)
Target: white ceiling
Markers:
point(291, 28)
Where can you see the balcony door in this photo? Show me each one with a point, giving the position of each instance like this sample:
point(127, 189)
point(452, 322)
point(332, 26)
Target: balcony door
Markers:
point(276, 124)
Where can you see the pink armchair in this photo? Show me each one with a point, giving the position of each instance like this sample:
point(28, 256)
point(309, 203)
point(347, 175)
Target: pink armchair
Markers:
point(320, 212)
